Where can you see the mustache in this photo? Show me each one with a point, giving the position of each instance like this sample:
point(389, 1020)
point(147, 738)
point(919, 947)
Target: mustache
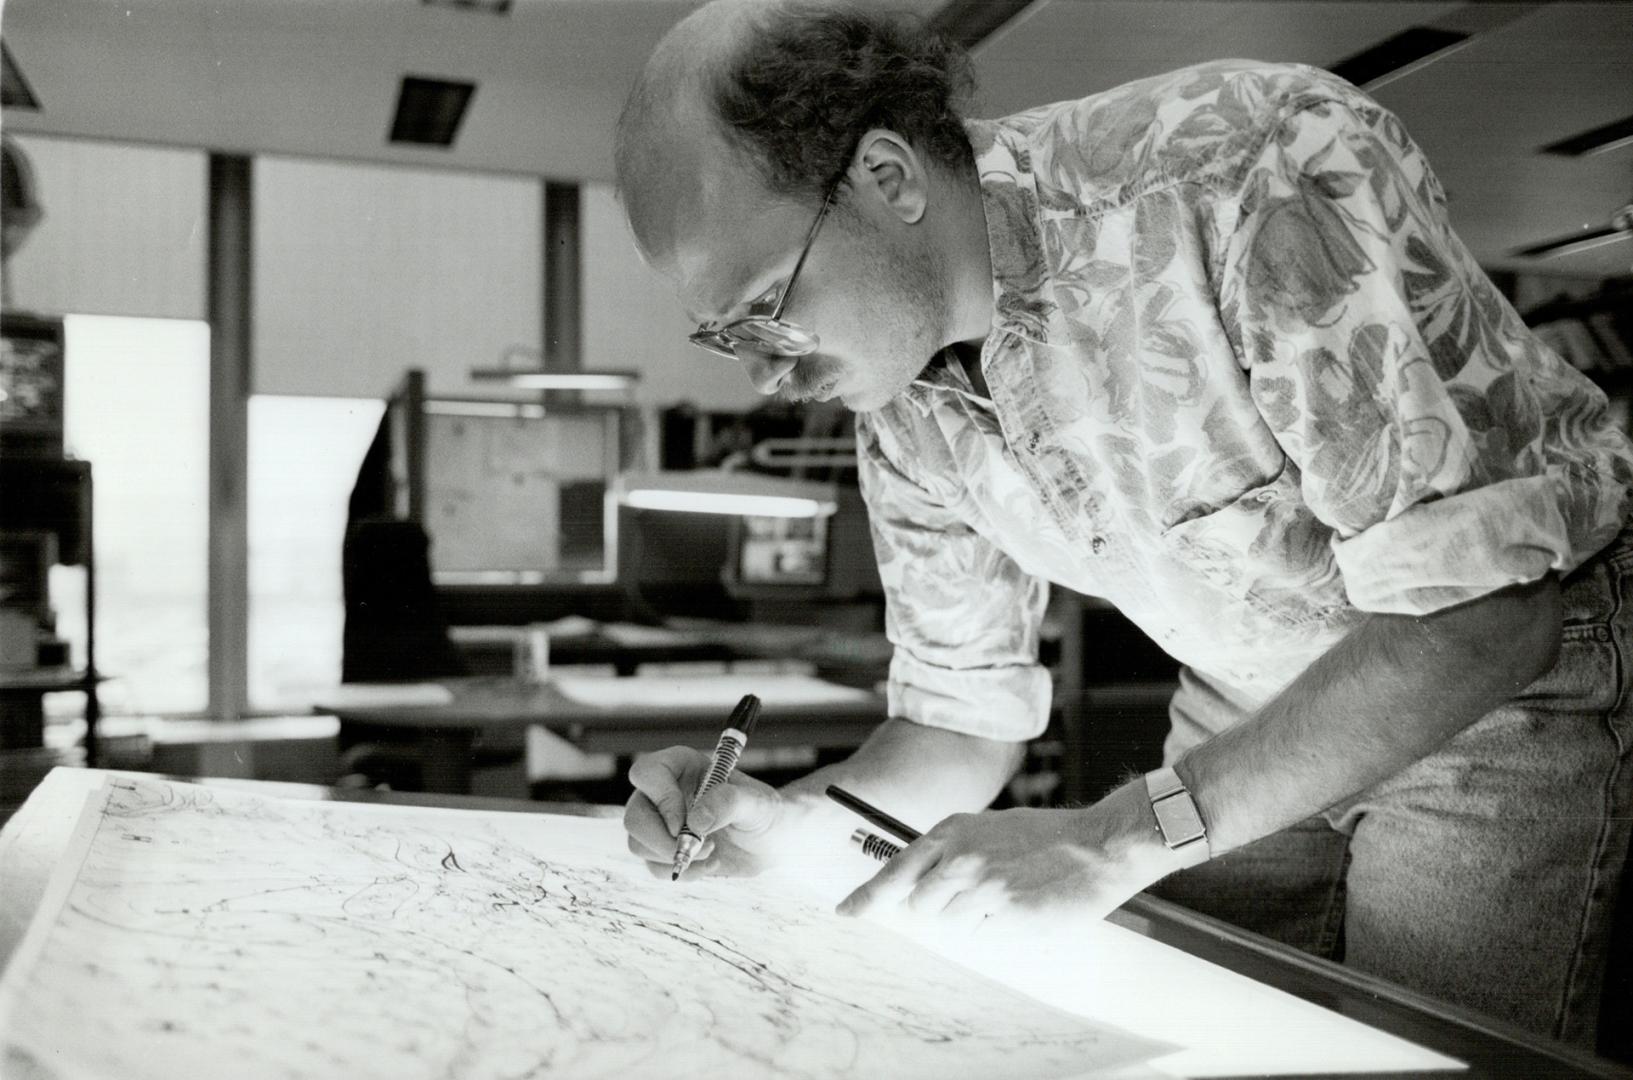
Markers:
point(806, 382)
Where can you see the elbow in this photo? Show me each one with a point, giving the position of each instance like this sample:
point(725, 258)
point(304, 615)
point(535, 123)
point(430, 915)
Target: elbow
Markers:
point(1017, 758)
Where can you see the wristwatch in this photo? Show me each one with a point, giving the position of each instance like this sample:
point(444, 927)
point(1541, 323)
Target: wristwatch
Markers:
point(1178, 821)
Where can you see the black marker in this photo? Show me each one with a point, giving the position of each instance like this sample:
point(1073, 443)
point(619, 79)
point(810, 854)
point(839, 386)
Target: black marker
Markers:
point(726, 752)
point(872, 814)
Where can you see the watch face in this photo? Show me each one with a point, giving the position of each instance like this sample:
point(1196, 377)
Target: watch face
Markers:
point(1178, 819)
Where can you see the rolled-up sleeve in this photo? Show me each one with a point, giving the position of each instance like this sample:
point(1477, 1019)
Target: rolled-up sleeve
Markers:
point(1449, 451)
point(962, 616)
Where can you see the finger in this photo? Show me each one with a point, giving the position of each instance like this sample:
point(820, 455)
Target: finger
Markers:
point(931, 894)
point(641, 850)
point(891, 885)
point(701, 867)
point(643, 822)
point(742, 803)
point(666, 778)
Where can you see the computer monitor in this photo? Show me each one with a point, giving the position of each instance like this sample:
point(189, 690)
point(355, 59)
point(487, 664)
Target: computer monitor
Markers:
point(782, 551)
point(821, 558)
point(517, 495)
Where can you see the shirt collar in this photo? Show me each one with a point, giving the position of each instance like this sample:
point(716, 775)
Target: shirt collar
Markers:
point(1009, 199)
point(1009, 202)
point(943, 374)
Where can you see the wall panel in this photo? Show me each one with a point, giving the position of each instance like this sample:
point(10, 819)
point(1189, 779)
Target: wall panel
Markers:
point(632, 319)
point(123, 231)
point(362, 271)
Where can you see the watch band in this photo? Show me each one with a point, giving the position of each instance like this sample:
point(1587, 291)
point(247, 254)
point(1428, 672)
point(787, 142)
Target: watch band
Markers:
point(1179, 823)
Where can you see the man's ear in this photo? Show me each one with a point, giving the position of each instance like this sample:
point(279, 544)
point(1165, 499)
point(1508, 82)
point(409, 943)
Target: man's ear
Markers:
point(893, 173)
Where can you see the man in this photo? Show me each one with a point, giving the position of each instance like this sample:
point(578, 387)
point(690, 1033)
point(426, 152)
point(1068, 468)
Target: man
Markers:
point(1203, 345)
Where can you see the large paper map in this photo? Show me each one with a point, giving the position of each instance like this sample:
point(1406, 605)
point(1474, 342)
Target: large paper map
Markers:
point(193, 932)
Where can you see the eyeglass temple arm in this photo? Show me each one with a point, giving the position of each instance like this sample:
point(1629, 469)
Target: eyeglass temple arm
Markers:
point(782, 301)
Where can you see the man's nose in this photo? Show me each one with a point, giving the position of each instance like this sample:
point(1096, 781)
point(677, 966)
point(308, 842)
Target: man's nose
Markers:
point(767, 372)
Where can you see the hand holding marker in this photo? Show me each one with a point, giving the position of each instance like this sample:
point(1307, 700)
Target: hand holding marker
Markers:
point(726, 752)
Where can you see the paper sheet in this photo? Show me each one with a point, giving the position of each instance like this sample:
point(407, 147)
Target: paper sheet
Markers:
point(198, 932)
point(714, 690)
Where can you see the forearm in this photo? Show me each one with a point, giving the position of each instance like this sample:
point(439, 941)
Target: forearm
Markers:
point(1389, 694)
point(916, 773)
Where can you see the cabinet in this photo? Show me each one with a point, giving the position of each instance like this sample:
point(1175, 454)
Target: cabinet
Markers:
point(49, 500)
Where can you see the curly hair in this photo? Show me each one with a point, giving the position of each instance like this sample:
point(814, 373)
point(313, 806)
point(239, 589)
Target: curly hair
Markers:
point(809, 80)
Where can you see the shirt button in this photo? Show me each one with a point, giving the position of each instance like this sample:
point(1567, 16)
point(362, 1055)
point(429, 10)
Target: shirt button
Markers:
point(1097, 544)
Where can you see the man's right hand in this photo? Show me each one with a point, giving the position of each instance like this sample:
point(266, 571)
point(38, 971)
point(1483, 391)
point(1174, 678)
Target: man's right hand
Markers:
point(737, 819)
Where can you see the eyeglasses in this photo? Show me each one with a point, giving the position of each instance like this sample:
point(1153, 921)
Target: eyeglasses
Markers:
point(768, 334)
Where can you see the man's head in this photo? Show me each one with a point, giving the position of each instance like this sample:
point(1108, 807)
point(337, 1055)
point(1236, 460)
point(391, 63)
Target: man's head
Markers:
point(746, 116)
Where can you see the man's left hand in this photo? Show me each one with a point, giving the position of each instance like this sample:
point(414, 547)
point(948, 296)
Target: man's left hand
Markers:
point(1023, 867)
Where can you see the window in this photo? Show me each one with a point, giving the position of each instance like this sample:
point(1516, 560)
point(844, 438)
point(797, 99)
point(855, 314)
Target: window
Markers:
point(304, 454)
point(137, 406)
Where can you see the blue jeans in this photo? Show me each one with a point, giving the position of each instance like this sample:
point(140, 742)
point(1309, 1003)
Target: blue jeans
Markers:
point(1485, 874)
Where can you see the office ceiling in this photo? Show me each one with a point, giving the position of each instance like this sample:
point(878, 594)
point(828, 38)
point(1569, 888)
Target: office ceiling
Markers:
point(322, 78)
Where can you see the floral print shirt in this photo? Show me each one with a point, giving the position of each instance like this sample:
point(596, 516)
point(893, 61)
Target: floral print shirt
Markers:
point(1246, 384)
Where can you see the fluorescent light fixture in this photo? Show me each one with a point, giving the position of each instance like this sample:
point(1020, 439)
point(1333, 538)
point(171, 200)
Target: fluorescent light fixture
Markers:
point(481, 7)
point(1571, 245)
point(534, 371)
point(718, 491)
point(1399, 55)
point(522, 410)
point(1600, 140)
point(558, 380)
point(976, 22)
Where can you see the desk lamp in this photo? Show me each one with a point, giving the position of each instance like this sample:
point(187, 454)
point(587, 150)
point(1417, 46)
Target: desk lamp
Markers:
point(731, 490)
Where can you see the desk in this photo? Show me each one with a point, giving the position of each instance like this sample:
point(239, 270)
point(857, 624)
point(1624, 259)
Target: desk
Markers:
point(443, 734)
point(851, 656)
point(31, 845)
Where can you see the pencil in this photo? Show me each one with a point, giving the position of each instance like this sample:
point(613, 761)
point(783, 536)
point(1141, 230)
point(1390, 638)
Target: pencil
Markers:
point(872, 814)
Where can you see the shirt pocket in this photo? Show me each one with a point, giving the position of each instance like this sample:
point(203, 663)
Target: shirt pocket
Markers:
point(1265, 549)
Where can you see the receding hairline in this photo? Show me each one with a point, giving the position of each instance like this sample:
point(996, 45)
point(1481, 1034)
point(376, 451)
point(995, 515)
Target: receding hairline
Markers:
point(677, 83)
point(670, 115)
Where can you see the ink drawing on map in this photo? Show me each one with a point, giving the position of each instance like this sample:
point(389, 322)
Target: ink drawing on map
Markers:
point(209, 933)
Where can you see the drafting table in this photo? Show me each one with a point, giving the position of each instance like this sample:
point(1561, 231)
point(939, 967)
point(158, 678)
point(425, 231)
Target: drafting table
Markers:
point(32, 844)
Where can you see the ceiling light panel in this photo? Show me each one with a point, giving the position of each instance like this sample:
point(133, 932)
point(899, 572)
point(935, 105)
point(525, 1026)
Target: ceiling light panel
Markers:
point(15, 93)
point(1616, 135)
point(429, 111)
point(1397, 55)
point(480, 7)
